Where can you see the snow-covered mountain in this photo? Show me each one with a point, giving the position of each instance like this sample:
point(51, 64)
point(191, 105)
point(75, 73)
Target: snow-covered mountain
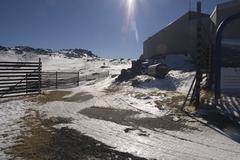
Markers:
point(25, 51)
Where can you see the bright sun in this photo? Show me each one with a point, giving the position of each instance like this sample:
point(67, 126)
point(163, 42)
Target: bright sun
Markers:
point(130, 7)
point(130, 2)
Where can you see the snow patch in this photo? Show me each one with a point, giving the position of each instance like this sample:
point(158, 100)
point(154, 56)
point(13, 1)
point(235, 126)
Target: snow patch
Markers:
point(11, 124)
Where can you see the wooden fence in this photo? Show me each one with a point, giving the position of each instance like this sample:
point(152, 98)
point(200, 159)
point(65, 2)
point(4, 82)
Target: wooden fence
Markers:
point(20, 78)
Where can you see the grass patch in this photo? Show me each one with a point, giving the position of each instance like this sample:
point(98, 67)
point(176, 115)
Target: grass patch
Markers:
point(207, 96)
point(157, 93)
point(112, 89)
point(190, 108)
point(173, 102)
point(147, 95)
point(141, 96)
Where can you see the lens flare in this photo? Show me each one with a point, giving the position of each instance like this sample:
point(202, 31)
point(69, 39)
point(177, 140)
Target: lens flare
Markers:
point(131, 24)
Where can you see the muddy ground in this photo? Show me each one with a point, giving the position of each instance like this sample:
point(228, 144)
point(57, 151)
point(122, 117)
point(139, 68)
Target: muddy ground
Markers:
point(127, 117)
point(43, 142)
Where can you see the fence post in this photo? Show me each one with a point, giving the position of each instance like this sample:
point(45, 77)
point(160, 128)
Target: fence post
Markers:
point(26, 82)
point(56, 79)
point(77, 78)
point(39, 76)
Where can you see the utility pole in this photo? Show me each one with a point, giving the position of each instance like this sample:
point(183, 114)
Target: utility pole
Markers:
point(199, 57)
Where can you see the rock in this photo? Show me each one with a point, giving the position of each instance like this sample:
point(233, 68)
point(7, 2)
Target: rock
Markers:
point(98, 144)
point(158, 70)
point(104, 67)
point(175, 118)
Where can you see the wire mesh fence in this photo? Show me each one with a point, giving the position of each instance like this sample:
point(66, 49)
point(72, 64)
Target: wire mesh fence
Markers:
point(27, 78)
point(59, 80)
point(93, 76)
point(62, 80)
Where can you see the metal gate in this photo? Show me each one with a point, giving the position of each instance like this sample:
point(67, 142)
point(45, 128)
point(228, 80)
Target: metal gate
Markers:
point(20, 78)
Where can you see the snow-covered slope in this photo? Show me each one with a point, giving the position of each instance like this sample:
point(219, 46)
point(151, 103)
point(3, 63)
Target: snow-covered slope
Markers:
point(145, 133)
point(25, 53)
point(68, 60)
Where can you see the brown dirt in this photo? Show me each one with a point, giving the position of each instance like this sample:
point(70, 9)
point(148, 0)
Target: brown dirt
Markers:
point(43, 142)
point(60, 96)
point(112, 89)
point(174, 102)
point(79, 97)
point(52, 96)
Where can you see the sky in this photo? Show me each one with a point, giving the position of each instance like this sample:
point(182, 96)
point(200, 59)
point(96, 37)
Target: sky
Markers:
point(109, 28)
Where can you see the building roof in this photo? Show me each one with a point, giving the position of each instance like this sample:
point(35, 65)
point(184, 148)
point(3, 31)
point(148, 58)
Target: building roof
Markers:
point(228, 4)
point(225, 5)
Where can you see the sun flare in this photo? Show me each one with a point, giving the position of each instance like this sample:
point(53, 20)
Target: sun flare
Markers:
point(131, 9)
point(131, 24)
point(130, 2)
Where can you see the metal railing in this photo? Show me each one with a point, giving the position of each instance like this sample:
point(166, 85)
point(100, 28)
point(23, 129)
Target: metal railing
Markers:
point(20, 78)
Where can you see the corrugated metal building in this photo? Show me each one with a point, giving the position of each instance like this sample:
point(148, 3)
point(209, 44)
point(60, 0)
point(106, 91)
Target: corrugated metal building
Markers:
point(180, 36)
point(223, 11)
point(231, 34)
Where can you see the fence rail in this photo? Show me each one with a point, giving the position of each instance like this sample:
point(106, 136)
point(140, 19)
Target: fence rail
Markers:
point(20, 78)
point(27, 78)
point(93, 76)
point(61, 80)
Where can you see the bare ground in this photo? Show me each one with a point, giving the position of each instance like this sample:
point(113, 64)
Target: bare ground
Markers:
point(126, 117)
point(43, 142)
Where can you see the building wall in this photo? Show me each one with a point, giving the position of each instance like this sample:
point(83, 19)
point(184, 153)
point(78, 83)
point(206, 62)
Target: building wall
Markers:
point(230, 80)
point(180, 36)
point(231, 35)
point(223, 11)
point(177, 38)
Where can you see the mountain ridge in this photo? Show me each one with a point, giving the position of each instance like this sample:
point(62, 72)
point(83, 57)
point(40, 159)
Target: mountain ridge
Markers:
point(70, 53)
